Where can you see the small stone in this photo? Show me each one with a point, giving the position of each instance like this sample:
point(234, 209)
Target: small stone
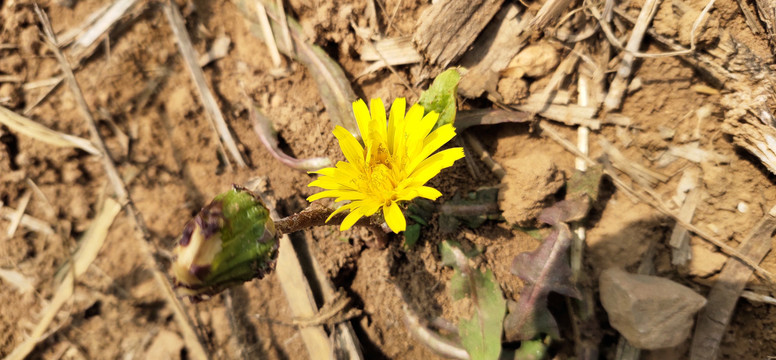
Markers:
point(649, 311)
point(742, 207)
point(705, 262)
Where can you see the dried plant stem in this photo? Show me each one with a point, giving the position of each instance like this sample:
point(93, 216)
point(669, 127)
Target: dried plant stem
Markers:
point(429, 338)
point(483, 154)
point(193, 343)
point(266, 29)
point(620, 83)
point(215, 117)
point(16, 218)
point(314, 215)
point(27, 221)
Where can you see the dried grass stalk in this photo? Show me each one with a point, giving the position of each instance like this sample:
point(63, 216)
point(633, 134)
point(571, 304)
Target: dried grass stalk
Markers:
point(39, 132)
point(389, 52)
point(27, 221)
point(620, 83)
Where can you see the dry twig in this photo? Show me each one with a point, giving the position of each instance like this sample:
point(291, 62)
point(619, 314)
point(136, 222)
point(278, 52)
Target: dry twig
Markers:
point(39, 132)
point(620, 83)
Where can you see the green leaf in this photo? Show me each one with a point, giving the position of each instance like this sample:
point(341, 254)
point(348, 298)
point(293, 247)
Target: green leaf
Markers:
point(586, 183)
point(481, 334)
point(440, 97)
point(411, 236)
point(531, 350)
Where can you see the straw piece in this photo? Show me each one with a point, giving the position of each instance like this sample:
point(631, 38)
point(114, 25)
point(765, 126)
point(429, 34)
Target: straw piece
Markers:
point(634, 170)
point(90, 246)
point(620, 83)
point(27, 221)
point(266, 29)
point(548, 13)
point(715, 317)
point(680, 237)
point(104, 23)
point(483, 154)
point(214, 115)
point(767, 11)
point(389, 52)
point(16, 218)
point(570, 114)
point(22, 283)
point(300, 299)
point(39, 132)
point(218, 50)
point(753, 296)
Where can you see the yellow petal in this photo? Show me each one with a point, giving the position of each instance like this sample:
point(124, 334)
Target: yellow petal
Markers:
point(349, 170)
point(347, 194)
point(350, 146)
point(428, 192)
point(361, 112)
point(430, 167)
point(400, 138)
point(378, 125)
point(339, 210)
point(331, 183)
point(394, 217)
point(329, 171)
point(431, 143)
point(397, 118)
point(420, 131)
point(350, 220)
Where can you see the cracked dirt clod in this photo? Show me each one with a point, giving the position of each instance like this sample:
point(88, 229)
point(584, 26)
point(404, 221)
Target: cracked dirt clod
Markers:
point(528, 186)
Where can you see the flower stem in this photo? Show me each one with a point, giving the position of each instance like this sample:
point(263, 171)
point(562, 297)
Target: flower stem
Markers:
point(314, 215)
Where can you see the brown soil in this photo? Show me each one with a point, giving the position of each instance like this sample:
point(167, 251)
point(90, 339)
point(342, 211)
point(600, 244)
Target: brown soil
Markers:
point(173, 168)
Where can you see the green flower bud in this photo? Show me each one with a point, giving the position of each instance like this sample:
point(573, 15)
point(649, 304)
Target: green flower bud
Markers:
point(229, 242)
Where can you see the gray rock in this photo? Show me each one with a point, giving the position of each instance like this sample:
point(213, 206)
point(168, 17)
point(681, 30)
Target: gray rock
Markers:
point(649, 311)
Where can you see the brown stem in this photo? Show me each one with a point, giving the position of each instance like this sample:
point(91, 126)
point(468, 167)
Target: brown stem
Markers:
point(314, 215)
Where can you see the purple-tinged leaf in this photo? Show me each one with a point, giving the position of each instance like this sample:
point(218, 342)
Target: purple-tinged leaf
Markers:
point(566, 211)
point(546, 270)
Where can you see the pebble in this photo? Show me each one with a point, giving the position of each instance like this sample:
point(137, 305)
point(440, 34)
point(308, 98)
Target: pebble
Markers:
point(649, 311)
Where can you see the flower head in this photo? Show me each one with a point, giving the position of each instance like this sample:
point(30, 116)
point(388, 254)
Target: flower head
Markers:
point(392, 166)
point(230, 241)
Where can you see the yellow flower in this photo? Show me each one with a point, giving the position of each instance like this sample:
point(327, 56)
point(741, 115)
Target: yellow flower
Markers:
point(392, 166)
